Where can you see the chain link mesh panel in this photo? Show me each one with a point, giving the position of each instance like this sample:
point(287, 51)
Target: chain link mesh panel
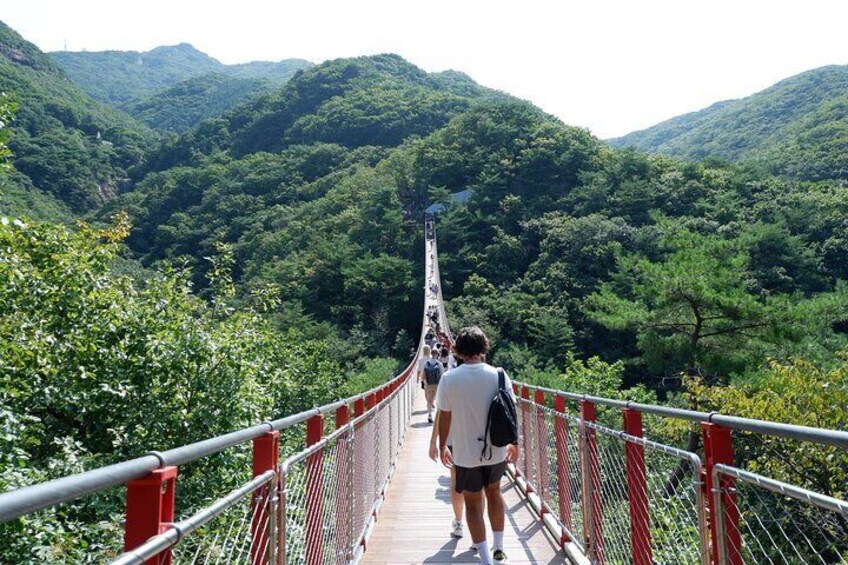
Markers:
point(331, 493)
point(775, 527)
point(229, 537)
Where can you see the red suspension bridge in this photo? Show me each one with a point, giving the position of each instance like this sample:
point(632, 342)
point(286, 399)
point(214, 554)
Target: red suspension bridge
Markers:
point(591, 486)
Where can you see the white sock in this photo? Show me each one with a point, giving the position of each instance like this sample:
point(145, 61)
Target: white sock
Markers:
point(483, 552)
point(498, 543)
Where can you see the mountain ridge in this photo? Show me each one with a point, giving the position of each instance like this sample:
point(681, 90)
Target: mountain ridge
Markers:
point(765, 128)
point(121, 77)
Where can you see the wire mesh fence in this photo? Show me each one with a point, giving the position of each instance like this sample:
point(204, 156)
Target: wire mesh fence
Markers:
point(242, 533)
point(569, 462)
point(778, 522)
point(331, 490)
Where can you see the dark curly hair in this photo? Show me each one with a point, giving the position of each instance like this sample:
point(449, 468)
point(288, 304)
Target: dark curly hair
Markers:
point(471, 341)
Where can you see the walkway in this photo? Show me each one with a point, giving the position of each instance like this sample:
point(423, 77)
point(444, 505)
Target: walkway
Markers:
point(413, 525)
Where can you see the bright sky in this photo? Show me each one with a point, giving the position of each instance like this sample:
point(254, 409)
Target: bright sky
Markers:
point(612, 66)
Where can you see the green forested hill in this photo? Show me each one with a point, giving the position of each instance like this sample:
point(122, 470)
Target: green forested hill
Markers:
point(186, 104)
point(270, 259)
point(122, 78)
point(798, 127)
point(319, 189)
point(65, 144)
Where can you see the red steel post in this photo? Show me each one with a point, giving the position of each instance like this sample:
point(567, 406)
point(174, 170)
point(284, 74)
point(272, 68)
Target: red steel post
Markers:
point(541, 437)
point(637, 491)
point(718, 448)
point(150, 510)
point(266, 453)
point(563, 479)
point(344, 526)
point(595, 531)
point(358, 407)
point(525, 428)
point(315, 493)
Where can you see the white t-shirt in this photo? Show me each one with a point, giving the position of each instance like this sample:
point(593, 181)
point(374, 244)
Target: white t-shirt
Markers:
point(467, 394)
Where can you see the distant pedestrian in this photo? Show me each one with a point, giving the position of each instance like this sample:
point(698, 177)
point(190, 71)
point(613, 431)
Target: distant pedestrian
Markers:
point(464, 401)
point(422, 360)
point(433, 371)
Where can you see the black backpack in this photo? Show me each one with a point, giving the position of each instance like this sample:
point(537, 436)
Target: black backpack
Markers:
point(432, 371)
point(502, 423)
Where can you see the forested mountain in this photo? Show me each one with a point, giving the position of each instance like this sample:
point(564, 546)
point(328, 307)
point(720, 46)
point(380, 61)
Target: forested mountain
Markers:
point(186, 104)
point(64, 143)
point(122, 78)
point(319, 189)
point(270, 259)
point(798, 127)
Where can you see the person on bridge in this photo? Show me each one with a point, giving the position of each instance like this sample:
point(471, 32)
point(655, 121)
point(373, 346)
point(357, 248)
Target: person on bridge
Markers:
point(422, 360)
point(463, 402)
point(433, 371)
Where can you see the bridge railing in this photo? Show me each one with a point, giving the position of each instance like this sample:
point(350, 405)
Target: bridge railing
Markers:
point(613, 496)
point(251, 523)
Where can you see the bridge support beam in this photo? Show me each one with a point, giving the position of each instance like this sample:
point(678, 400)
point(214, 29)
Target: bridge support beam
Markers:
point(541, 437)
point(637, 491)
point(721, 498)
point(592, 507)
point(527, 429)
point(264, 505)
point(563, 477)
point(315, 493)
point(150, 510)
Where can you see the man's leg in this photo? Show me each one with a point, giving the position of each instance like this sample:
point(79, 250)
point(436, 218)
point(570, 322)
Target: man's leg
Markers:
point(476, 524)
point(497, 512)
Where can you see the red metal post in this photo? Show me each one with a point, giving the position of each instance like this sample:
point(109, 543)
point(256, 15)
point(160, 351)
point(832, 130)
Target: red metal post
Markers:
point(563, 479)
point(541, 437)
point(718, 448)
point(595, 531)
point(344, 527)
point(150, 510)
point(637, 491)
point(525, 427)
point(358, 407)
point(372, 400)
point(315, 494)
point(266, 453)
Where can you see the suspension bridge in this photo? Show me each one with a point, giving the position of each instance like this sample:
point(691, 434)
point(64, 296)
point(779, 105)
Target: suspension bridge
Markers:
point(591, 486)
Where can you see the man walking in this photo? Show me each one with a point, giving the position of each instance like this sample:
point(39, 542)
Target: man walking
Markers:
point(463, 403)
point(433, 370)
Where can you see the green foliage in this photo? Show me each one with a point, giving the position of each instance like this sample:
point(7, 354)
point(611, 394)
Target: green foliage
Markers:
point(96, 369)
point(693, 310)
point(184, 105)
point(793, 392)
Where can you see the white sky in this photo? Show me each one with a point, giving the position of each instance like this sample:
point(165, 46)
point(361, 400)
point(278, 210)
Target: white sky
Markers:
point(612, 66)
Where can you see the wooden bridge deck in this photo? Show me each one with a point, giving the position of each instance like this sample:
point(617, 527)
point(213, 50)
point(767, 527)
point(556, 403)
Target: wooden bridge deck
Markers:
point(414, 523)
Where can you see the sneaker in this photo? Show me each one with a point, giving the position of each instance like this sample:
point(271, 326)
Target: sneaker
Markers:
point(473, 547)
point(499, 556)
point(456, 529)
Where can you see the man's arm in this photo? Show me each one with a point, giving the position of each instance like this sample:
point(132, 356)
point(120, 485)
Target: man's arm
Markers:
point(444, 420)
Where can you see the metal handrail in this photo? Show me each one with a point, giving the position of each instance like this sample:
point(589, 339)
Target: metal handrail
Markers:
point(836, 438)
point(157, 544)
point(24, 500)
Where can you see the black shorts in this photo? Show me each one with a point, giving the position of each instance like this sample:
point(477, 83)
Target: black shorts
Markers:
point(473, 479)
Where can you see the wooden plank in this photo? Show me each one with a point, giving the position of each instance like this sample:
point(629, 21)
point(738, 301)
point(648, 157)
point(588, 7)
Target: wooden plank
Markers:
point(414, 523)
